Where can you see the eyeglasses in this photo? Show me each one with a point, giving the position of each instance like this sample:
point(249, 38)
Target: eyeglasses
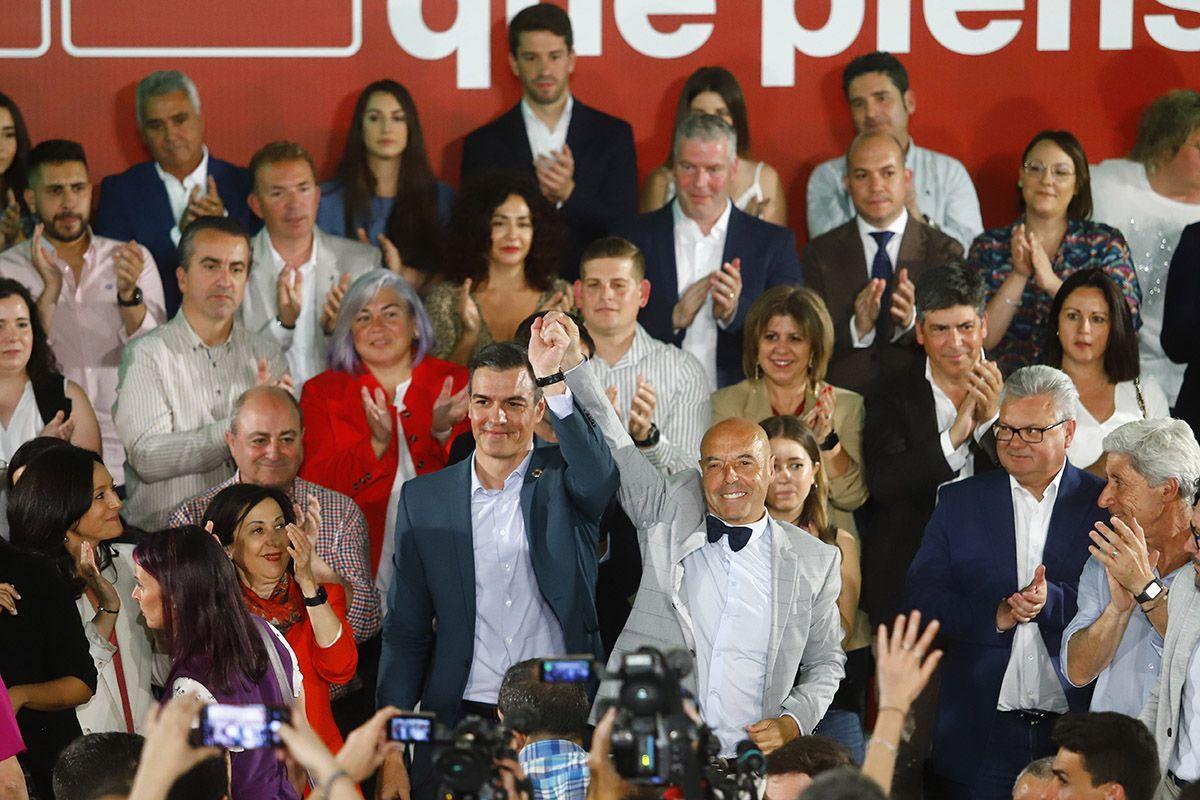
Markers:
point(1195, 535)
point(1059, 172)
point(1031, 435)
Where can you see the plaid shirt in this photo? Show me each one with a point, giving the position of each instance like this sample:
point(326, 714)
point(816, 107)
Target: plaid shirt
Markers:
point(342, 542)
point(558, 769)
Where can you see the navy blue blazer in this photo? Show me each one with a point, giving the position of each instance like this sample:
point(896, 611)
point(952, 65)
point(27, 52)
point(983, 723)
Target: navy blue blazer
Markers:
point(605, 170)
point(566, 490)
point(134, 205)
point(768, 254)
point(966, 565)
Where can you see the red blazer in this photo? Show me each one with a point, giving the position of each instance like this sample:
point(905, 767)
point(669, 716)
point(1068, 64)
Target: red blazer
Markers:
point(337, 440)
point(320, 668)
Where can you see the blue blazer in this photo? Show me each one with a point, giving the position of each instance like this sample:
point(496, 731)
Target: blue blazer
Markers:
point(566, 490)
point(134, 205)
point(768, 254)
point(605, 170)
point(966, 565)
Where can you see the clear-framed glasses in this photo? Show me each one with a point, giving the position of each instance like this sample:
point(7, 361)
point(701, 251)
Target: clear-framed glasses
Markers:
point(1030, 435)
point(1059, 172)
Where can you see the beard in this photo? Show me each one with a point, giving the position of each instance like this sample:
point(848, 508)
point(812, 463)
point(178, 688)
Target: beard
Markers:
point(58, 230)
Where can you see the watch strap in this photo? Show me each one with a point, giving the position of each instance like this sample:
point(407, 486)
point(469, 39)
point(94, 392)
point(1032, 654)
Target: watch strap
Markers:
point(550, 380)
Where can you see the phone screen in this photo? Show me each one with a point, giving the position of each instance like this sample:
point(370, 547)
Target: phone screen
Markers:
point(412, 727)
point(566, 670)
point(247, 727)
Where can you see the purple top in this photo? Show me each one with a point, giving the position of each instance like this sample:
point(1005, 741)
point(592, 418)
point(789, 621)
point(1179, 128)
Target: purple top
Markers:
point(254, 774)
point(11, 742)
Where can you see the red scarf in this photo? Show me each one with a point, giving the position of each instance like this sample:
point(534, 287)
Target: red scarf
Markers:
point(283, 609)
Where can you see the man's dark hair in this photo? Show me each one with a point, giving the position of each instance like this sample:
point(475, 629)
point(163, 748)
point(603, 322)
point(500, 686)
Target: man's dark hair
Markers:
point(503, 356)
point(811, 755)
point(54, 151)
point(949, 285)
point(524, 331)
point(1114, 748)
point(96, 765)
point(886, 63)
point(226, 225)
point(542, 17)
point(843, 783)
point(208, 780)
point(274, 153)
point(536, 708)
point(1121, 359)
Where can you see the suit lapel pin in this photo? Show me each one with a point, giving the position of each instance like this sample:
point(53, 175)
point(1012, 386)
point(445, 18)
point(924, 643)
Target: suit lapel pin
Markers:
point(537, 472)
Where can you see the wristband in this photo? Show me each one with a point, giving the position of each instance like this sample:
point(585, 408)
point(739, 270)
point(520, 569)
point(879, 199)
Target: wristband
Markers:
point(316, 600)
point(103, 610)
point(550, 380)
point(831, 441)
point(279, 322)
point(134, 301)
point(330, 781)
point(651, 438)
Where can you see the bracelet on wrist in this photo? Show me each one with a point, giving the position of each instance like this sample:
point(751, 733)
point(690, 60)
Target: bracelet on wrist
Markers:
point(328, 783)
point(902, 712)
point(103, 610)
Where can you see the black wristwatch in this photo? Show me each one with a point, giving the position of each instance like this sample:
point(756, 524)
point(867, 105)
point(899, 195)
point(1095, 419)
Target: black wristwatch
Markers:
point(831, 441)
point(1153, 591)
point(133, 302)
point(651, 438)
point(550, 380)
point(319, 600)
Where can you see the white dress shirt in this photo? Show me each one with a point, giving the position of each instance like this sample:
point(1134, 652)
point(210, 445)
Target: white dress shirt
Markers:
point(957, 458)
point(542, 139)
point(404, 471)
point(513, 621)
point(1185, 761)
point(729, 598)
point(303, 361)
point(179, 191)
point(1088, 443)
point(697, 255)
point(1030, 682)
point(870, 248)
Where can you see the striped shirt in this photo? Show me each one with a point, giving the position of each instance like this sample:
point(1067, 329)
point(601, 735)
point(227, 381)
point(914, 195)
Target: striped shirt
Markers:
point(341, 542)
point(175, 399)
point(682, 411)
point(557, 768)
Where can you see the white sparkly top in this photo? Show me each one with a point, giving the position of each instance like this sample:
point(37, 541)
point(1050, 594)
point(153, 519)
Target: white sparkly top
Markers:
point(1151, 223)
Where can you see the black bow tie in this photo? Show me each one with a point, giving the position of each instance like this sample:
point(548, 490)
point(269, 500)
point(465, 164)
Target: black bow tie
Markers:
point(738, 535)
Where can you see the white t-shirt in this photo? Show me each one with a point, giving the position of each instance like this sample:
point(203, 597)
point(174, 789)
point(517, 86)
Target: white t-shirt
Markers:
point(1088, 444)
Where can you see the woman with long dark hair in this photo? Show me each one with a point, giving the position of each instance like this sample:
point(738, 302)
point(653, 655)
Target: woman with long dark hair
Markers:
point(188, 589)
point(274, 560)
point(504, 247)
point(14, 156)
point(385, 190)
point(63, 506)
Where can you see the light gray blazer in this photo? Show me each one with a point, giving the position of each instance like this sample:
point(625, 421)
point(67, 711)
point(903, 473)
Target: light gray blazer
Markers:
point(805, 662)
point(335, 256)
point(1161, 714)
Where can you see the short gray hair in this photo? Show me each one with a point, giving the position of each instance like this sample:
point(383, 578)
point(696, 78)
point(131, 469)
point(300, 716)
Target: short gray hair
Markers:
point(1039, 380)
point(1042, 769)
point(1158, 450)
point(342, 355)
point(163, 82)
point(706, 128)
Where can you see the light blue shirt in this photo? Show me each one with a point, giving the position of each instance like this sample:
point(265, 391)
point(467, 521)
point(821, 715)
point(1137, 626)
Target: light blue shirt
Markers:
point(1125, 683)
point(945, 194)
point(513, 621)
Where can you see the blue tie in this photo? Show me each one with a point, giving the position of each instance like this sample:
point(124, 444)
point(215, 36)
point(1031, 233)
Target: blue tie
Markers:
point(738, 535)
point(881, 267)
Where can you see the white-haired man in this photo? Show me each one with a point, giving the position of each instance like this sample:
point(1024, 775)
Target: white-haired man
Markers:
point(1116, 638)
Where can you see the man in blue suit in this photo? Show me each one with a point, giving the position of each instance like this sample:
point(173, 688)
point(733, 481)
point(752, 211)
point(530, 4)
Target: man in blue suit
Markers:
point(153, 201)
point(707, 261)
point(584, 159)
point(998, 567)
point(499, 549)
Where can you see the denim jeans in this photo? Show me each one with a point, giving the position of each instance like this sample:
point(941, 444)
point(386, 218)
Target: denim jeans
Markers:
point(845, 728)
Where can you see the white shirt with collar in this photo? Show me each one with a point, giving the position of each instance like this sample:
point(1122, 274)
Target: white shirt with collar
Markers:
point(1030, 682)
point(513, 621)
point(729, 598)
point(303, 362)
point(542, 139)
point(870, 248)
point(697, 255)
point(957, 458)
point(179, 191)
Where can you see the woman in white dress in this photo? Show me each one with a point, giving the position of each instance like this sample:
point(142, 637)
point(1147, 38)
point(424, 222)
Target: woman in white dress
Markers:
point(1093, 341)
point(756, 187)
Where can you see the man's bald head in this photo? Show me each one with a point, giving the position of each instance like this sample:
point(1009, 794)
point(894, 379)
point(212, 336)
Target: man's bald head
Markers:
point(266, 437)
point(737, 467)
point(874, 139)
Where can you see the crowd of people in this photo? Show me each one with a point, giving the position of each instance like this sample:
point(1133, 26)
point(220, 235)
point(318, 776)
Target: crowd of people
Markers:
point(371, 444)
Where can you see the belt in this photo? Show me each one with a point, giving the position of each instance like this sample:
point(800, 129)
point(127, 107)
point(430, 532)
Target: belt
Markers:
point(1033, 717)
point(1175, 779)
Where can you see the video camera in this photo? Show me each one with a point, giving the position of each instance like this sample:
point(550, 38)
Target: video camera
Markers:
point(466, 757)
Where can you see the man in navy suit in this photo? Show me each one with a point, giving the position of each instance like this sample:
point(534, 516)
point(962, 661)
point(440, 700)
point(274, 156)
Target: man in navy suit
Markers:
point(584, 160)
point(153, 201)
point(500, 549)
point(999, 566)
point(707, 261)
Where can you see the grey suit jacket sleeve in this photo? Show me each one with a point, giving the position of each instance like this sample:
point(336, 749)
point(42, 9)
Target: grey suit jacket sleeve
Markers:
point(643, 489)
point(822, 666)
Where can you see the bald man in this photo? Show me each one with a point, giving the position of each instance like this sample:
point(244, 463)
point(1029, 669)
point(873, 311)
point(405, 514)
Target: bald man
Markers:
point(752, 599)
point(866, 268)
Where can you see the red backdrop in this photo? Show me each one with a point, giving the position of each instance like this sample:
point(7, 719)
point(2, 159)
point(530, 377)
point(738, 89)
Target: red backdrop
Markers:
point(75, 77)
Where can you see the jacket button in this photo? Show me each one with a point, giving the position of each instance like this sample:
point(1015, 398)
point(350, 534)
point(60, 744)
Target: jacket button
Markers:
point(412, 438)
point(367, 477)
point(406, 413)
point(1168, 733)
point(420, 465)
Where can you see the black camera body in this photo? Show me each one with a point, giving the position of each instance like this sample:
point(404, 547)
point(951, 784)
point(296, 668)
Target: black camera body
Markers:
point(466, 760)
